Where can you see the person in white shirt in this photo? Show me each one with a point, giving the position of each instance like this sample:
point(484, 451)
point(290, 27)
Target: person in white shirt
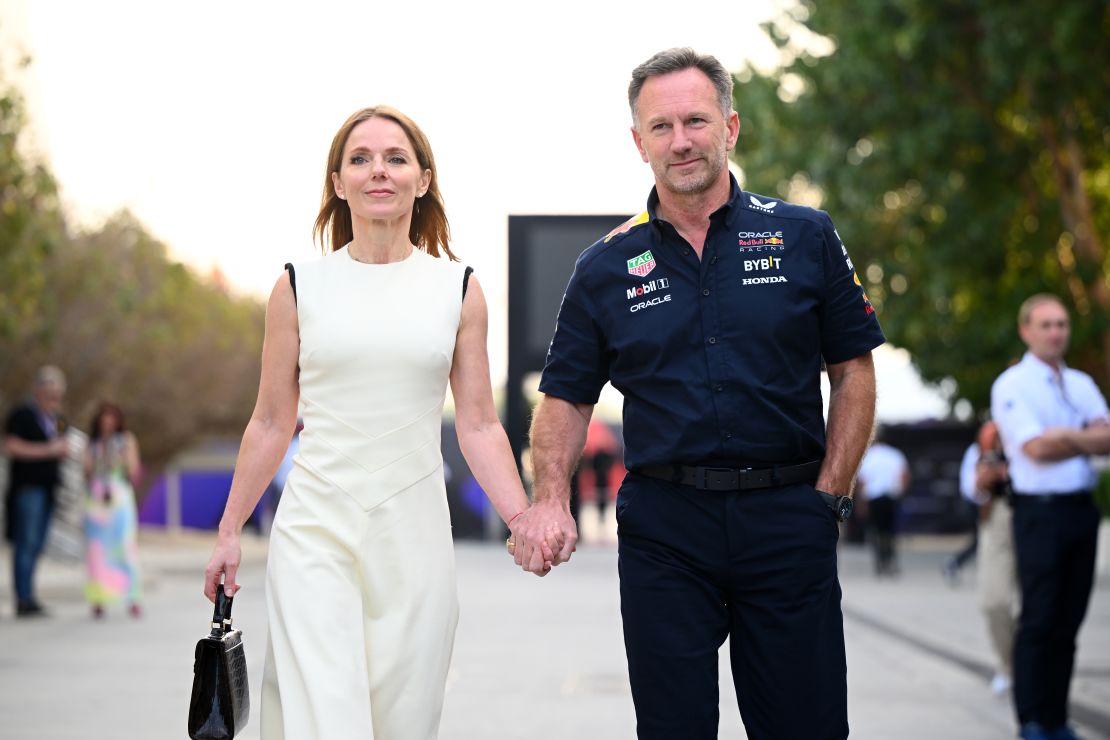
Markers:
point(884, 475)
point(985, 481)
point(1051, 419)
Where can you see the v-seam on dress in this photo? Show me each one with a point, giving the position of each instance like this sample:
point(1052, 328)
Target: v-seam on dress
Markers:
point(360, 581)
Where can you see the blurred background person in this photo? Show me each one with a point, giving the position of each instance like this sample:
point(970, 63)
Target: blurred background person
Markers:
point(985, 480)
point(884, 475)
point(34, 442)
point(112, 467)
point(970, 495)
point(595, 517)
point(1052, 420)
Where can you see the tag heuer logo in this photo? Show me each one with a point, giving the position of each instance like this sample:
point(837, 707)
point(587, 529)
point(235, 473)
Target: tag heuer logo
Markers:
point(767, 207)
point(642, 265)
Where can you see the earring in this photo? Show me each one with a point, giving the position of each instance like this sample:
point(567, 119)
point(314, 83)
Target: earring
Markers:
point(343, 197)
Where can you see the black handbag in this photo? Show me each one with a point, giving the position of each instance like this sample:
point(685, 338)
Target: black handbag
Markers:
point(220, 702)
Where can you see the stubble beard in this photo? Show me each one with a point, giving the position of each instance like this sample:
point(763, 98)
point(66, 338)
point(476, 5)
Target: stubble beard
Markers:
point(695, 182)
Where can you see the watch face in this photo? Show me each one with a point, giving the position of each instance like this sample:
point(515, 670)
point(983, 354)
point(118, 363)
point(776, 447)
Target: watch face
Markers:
point(844, 508)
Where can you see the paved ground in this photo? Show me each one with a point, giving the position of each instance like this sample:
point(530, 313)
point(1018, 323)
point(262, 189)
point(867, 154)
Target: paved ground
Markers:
point(537, 659)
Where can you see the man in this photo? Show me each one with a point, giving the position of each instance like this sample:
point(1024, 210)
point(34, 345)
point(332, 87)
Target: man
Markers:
point(711, 312)
point(884, 475)
point(34, 445)
point(985, 481)
point(1051, 419)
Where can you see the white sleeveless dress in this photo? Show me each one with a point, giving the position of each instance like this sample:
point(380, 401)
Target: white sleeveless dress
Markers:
point(361, 573)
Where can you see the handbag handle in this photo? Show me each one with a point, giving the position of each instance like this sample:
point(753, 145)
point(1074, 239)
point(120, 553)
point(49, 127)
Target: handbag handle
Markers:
point(221, 616)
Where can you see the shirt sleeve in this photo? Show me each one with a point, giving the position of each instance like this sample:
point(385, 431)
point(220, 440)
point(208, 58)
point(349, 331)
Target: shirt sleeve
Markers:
point(1016, 420)
point(23, 424)
point(967, 472)
point(849, 326)
point(1094, 406)
point(576, 368)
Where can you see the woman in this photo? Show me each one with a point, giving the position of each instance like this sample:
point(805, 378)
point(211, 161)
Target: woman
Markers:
point(360, 577)
point(111, 463)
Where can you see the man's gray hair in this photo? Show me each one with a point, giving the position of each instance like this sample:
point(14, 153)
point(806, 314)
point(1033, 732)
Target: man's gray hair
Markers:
point(50, 375)
point(1026, 310)
point(676, 60)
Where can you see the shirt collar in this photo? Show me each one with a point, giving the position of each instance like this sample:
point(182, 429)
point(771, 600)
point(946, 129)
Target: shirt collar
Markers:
point(734, 193)
point(1033, 364)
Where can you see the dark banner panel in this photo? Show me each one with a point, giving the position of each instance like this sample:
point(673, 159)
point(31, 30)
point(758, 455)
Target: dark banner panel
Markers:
point(542, 252)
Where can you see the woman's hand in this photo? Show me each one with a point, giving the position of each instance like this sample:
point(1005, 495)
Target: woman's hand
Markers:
point(224, 562)
point(547, 550)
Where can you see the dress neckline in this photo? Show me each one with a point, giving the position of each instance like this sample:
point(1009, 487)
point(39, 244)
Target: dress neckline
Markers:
point(351, 258)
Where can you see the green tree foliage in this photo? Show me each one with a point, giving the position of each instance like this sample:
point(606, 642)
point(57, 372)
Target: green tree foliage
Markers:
point(31, 224)
point(963, 149)
point(126, 323)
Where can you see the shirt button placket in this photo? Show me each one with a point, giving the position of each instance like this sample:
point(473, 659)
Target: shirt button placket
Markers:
point(711, 325)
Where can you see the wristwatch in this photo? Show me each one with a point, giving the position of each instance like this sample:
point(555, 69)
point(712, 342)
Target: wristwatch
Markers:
point(841, 505)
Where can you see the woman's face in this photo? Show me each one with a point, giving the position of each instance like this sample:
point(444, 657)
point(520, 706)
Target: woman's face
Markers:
point(109, 423)
point(379, 175)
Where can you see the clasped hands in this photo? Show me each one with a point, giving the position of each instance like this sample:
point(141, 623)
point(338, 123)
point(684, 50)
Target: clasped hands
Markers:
point(542, 537)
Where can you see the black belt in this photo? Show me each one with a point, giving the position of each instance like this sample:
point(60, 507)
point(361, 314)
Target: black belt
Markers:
point(706, 478)
point(1065, 497)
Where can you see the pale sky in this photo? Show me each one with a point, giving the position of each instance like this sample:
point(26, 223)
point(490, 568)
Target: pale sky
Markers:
point(211, 120)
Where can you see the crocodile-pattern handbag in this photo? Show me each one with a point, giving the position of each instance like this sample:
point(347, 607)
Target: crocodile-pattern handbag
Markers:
point(220, 702)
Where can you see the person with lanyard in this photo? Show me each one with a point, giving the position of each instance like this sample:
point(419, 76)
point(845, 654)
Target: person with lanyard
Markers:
point(35, 445)
point(712, 311)
point(1051, 418)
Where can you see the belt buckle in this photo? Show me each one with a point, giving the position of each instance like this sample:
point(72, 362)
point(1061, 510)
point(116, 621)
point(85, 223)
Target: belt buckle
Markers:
point(723, 479)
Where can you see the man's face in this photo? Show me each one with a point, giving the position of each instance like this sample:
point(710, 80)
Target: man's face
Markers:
point(681, 132)
point(49, 398)
point(1047, 331)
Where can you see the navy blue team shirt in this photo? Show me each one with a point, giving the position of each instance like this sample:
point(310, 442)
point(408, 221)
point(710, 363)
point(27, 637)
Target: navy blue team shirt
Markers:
point(719, 359)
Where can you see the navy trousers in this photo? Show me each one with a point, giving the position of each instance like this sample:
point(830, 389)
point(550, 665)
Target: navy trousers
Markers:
point(757, 567)
point(1056, 543)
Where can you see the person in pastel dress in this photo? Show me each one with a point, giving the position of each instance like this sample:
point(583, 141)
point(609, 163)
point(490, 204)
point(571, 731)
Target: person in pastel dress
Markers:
point(111, 463)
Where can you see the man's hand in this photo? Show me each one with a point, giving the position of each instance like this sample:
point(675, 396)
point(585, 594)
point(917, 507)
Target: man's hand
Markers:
point(544, 535)
point(989, 474)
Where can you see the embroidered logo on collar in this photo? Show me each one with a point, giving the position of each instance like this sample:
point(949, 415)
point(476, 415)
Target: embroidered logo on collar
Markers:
point(760, 206)
point(641, 265)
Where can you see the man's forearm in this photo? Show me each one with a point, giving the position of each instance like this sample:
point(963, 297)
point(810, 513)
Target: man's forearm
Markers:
point(22, 449)
point(558, 436)
point(1094, 440)
point(1059, 444)
point(851, 417)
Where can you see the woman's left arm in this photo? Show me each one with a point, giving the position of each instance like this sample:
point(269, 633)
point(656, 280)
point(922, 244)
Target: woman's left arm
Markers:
point(131, 458)
point(482, 439)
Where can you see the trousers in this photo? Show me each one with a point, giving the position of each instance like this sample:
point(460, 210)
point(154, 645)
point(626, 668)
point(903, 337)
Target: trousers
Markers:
point(362, 609)
point(756, 567)
point(1056, 542)
point(31, 512)
point(998, 588)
